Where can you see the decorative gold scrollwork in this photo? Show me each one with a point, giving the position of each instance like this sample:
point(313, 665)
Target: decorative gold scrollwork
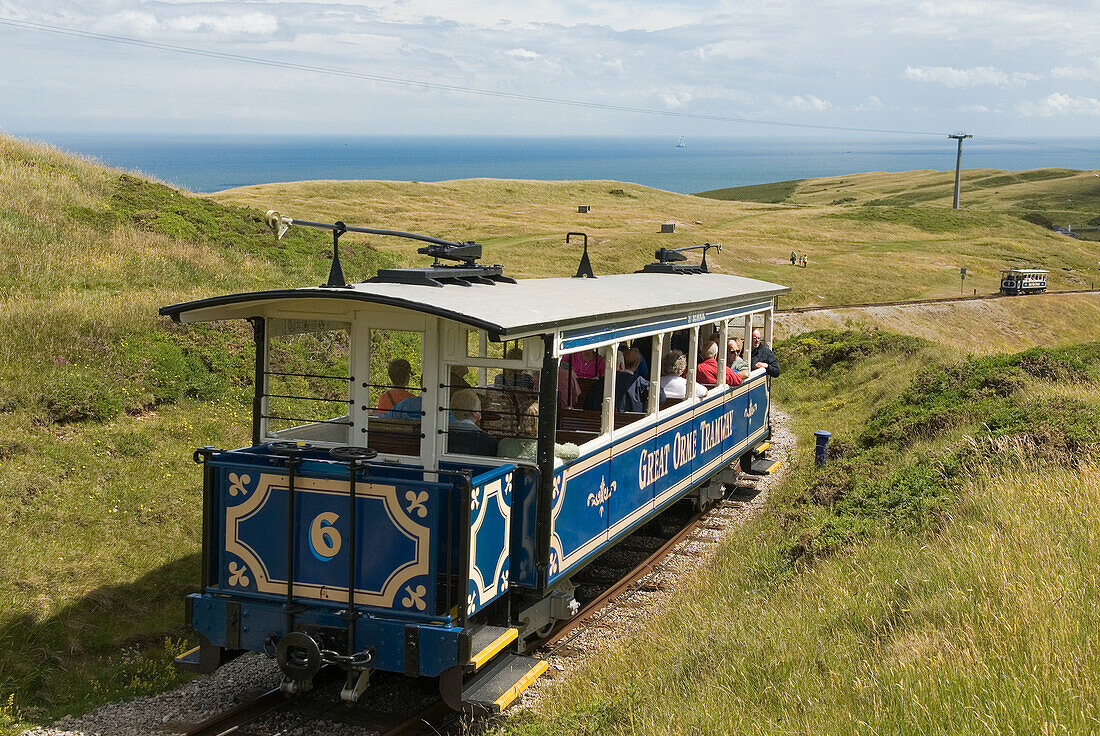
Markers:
point(415, 597)
point(237, 575)
point(237, 484)
point(416, 503)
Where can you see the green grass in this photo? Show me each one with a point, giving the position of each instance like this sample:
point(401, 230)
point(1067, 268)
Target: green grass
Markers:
point(772, 193)
point(944, 588)
point(102, 403)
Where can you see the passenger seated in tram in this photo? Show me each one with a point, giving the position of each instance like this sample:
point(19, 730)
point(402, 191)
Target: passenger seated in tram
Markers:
point(400, 372)
point(645, 345)
point(463, 434)
point(631, 390)
point(524, 446)
point(673, 383)
point(458, 380)
point(585, 364)
point(734, 359)
point(512, 378)
point(643, 367)
point(569, 388)
point(409, 408)
point(706, 371)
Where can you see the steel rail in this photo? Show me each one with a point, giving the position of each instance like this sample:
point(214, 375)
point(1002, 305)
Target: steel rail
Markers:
point(229, 721)
point(625, 585)
point(939, 300)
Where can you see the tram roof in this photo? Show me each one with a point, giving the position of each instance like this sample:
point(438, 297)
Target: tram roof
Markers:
point(523, 308)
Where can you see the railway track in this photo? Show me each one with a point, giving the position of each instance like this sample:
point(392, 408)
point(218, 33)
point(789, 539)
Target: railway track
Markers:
point(912, 302)
point(435, 718)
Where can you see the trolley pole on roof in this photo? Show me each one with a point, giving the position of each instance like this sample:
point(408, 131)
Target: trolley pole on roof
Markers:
point(958, 164)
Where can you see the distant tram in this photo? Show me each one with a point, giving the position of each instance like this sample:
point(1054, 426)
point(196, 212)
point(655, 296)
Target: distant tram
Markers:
point(437, 451)
point(1023, 281)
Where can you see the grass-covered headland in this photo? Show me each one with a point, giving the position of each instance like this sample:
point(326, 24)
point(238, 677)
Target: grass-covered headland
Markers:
point(939, 576)
point(939, 572)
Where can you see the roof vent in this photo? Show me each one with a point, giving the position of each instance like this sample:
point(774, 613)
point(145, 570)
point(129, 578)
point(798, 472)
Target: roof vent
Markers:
point(668, 260)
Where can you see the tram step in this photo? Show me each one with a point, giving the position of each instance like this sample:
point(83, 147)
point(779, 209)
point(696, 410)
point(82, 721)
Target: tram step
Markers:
point(486, 642)
point(763, 466)
point(494, 689)
point(759, 450)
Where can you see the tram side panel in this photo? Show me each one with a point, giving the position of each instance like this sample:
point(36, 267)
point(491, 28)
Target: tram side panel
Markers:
point(603, 496)
point(404, 542)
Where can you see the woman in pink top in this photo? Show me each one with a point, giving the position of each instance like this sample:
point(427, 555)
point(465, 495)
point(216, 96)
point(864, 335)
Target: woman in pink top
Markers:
point(585, 364)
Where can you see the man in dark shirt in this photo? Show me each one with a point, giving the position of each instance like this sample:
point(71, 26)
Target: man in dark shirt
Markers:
point(762, 355)
point(631, 390)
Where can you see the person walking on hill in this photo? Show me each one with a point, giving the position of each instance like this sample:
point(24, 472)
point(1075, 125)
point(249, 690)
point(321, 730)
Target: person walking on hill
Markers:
point(794, 257)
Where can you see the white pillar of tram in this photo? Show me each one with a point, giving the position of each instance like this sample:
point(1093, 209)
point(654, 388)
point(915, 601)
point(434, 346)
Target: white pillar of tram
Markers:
point(723, 330)
point(430, 374)
point(746, 346)
point(359, 390)
point(607, 417)
point(693, 360)
point(655, 356)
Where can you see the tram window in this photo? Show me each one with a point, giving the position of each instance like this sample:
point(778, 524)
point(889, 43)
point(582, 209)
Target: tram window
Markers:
point(307, 381)
point(478, 345)
point(395, 392)
point(467, 414)
point(632, 387)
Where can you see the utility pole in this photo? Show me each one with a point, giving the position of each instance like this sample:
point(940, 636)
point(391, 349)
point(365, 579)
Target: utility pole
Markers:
point(958, 164)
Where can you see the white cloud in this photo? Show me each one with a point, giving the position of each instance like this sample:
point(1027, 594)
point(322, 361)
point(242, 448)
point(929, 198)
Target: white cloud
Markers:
point(975, 76)
point(808, 103)
point(522, 54)
point(971, 108)
point(146, 24)
point(870, 104)
point(1059, 104)
point(1073, 71)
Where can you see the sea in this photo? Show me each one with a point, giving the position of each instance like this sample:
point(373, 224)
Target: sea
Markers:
point(212, 163)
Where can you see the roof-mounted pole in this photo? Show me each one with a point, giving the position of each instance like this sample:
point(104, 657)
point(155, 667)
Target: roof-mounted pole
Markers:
point(336, 274)
point(584, 270)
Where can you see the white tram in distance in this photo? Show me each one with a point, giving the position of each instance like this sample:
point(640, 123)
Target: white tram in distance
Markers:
point(1023, 281)
point(435, 454)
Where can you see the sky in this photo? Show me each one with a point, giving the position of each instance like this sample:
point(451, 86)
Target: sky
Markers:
point(992, 67)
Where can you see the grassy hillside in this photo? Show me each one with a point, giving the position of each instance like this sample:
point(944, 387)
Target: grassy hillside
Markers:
point(1060, 196)
point(102, 401)
point(101, 405)
point(937, 577)
point(878, 253)
point(981, 327)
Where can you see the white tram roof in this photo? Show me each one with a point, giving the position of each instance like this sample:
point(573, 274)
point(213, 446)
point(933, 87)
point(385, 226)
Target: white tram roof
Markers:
point(528, 307)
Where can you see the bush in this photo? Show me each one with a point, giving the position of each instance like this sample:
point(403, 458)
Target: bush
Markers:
point(814, 353)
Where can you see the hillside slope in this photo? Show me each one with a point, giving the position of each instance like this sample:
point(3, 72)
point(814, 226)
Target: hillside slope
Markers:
point(878, 253)
point(1064, 196)
point(102, 402)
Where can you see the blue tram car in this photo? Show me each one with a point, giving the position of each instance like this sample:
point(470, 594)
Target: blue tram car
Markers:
point(424, 477)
